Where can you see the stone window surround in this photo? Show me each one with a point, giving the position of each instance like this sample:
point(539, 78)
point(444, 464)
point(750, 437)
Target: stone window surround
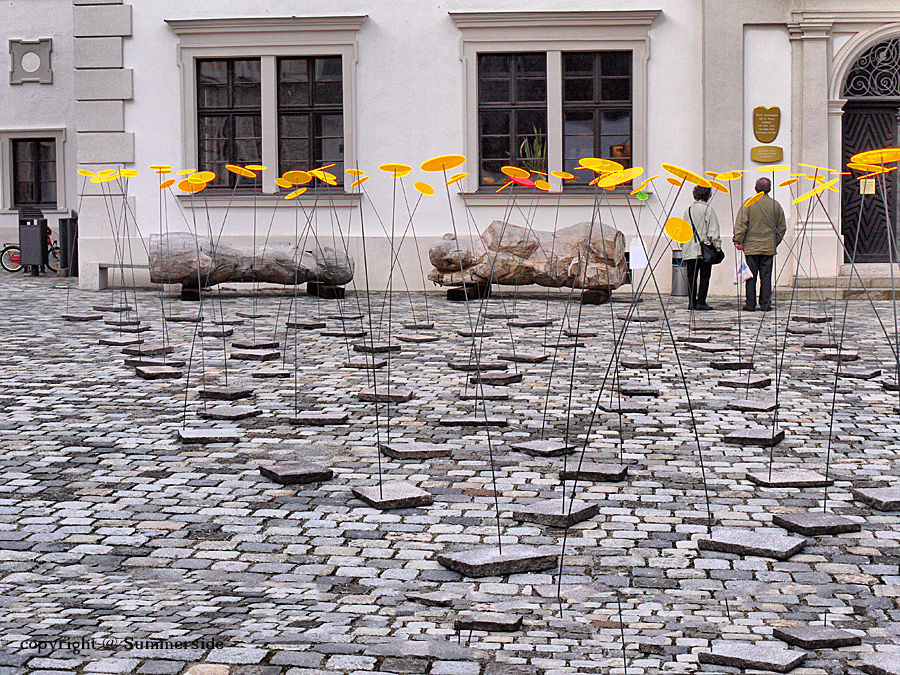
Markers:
point(553, 33)
point(6, 168)
point(267, 38)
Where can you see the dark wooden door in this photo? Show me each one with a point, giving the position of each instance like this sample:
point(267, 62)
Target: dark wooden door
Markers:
point(869, 125)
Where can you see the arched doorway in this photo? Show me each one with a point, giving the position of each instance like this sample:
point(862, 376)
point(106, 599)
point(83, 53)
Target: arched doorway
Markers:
point(871, 120)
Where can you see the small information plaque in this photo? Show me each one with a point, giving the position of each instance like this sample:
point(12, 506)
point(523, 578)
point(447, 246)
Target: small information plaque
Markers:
point(766, 154)
point(766, 123)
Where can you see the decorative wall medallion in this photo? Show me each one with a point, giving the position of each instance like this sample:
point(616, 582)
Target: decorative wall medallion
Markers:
point(30, 61)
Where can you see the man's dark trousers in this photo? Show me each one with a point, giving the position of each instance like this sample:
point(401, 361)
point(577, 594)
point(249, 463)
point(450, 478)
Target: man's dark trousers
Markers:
point(761, 266)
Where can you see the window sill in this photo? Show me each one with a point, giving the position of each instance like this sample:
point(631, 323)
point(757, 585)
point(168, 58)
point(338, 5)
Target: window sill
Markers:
point(55, 211)
point(566, 198)
point(201, 200)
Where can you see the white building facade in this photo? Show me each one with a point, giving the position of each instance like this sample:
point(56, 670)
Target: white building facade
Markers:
point(294, 85)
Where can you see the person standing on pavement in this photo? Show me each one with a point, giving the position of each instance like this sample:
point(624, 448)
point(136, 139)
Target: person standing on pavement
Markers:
point(706, 229)
point(758, 229)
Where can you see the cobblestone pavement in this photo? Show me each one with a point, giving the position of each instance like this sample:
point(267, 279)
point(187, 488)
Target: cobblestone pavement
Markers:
point(111, 530)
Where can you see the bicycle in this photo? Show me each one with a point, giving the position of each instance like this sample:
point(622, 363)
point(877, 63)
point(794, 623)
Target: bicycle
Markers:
point(11, 256)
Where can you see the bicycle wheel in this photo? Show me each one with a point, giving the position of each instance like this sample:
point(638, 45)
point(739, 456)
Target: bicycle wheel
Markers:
point(53, 258)
point(11, 259)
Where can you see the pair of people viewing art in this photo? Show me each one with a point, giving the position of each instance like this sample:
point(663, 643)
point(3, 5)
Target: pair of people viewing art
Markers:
point(758, 229)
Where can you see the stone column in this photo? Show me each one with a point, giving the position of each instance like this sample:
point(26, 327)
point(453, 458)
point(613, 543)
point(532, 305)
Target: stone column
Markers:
point(102, 86)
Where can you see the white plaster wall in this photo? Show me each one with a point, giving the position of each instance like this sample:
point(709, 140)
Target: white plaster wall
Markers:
point(409, 92)
point(33, 105)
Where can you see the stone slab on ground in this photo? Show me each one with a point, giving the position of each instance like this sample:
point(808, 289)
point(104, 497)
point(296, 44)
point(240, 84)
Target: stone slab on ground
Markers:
point(881, 664)
point(880, 498)
point(638, 390)
point(694, 339)
point(183, 318)
point(804, 330)
point(496, 379)
point(640, 364)
point(385, 395)
point(216, 332)
point(489, 621)
point(474, 420)
point(816, 637)
point(563, 344)
point(861, 372)
point(148, 349)
point(81, 316)
point(751, 382)
point(229, 412)
point(579, 333)
point(594, 471)
point(732, 364)
point(844, 356)
point(531, 323)
point(296, 473)
point(760, 436)
point(120, 341)
point(433, 598)
point(488, 561)
point(811, 318)
point(158, 372)
point(482, 393)
point(344, 317)
point(743, 541)
point(365, 364)
point(112, 308)
point(254, 355)
point(544, 447)
point(251, 315)
point(255, 344)
point(469, 366)
point(640, 318)
point(415, 450)
point(418, 326)
point(624, 407)
point(394, 495)
point(753, 404)
point(523, 357)
point(753, 655)
point(500, 315)
point(306, 325)
point(271, 373)
point(315, 418)
point(474, 333)
point(417, 339)
point(209, 435)
point(229, 393)
point(375, 347)
point(815, 523)
point(555, 512)
point(118, 323)
point(789, 478)
point(131, 330)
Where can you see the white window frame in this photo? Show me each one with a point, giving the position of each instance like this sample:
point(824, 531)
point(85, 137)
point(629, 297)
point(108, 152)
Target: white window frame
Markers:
point(266, 38)
point(6, 161)
point(553, 33)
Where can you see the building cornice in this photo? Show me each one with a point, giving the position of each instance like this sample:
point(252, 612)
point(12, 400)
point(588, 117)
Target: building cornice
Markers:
point(267, 24)
point(640, 17)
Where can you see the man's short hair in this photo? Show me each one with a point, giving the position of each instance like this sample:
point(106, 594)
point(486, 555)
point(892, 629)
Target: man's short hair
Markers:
point(702, 194)
point(763, 185)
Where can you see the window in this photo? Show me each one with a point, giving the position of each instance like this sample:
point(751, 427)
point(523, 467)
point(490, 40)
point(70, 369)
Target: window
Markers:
point(34, 172)
point(512, 113)
point(596, 105)
point(546, 88)
point(229, 118)
point(310, 114)
point(275, 90)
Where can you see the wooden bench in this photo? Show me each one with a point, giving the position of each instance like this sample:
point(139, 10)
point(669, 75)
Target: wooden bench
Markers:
point(94, 276)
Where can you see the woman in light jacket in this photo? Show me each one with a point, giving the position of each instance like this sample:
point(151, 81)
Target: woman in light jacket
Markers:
point(706, 229)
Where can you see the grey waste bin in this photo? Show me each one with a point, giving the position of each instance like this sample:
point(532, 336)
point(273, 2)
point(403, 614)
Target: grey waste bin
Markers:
point(33, 233)
point(68, 246)
point(680, 285)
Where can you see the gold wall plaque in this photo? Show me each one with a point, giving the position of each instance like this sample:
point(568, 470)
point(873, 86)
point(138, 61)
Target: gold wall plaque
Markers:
point(766, 122)
point(867, 186)
point(766, 154)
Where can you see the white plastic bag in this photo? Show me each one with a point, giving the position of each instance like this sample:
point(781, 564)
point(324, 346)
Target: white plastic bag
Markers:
point(741, 270)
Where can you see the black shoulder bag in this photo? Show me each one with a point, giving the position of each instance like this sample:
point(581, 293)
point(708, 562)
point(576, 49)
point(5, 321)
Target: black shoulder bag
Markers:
point(709, 253)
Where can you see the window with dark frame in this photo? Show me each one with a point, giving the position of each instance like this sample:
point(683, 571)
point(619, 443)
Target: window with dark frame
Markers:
point(311, 114)
point(34, 172)
point(229, 118)
point(596, 107)
point(512, 113)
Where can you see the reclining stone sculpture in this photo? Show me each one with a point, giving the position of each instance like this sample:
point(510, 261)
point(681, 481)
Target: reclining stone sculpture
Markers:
point(179, 258)
point(585, 256)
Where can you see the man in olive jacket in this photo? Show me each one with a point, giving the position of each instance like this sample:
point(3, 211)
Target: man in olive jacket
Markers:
point(758, 229)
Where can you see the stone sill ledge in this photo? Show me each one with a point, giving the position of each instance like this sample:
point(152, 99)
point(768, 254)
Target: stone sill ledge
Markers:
point(549, 199)
point(245, 201)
